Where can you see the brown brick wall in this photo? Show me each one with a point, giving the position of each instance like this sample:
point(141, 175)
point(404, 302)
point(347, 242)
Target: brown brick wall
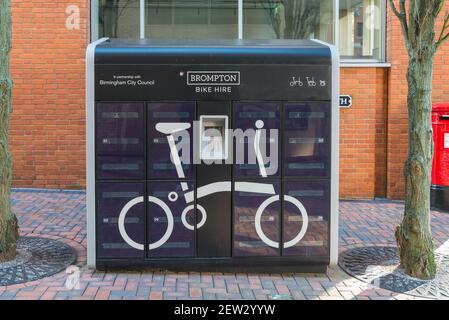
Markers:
point(397, 100)
point(47, 125)
point(363, 133)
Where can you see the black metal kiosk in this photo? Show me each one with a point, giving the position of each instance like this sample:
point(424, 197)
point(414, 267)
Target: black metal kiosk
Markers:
point(213, 155)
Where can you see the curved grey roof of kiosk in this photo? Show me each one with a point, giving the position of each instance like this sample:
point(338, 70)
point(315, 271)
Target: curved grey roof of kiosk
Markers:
point(212, 51)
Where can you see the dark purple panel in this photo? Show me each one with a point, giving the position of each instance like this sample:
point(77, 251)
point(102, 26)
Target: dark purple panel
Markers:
point(181, 243)
point(314, 196)
point(111, 198)
point(246, 114)
point(120, 129)
point(246, 239)
point(114, 167)
point(306, 139)
point(160, 165)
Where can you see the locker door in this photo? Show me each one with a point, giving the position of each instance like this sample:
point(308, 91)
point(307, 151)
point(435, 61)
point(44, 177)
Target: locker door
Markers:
point(307, 139)
point(160, 165)
point(111, 199)
point(120, 141)
point(315, 198)
point(256, 235)
point(120, 167)
point(246, 115)
point(171, 227)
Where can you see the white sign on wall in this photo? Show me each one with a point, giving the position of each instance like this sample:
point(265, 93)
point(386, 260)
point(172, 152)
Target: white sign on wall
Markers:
point(345, 101)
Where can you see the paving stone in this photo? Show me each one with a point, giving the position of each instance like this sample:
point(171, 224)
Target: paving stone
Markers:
point(247, 294)
point(268, 284)
point(209, 296)
point(61, 215)
point(228, 296)
point(195, 293)
point(143, 292)
point(331, 298)
point(312, 297)
point(297, 295)
point(156, 296)
point(233, 288)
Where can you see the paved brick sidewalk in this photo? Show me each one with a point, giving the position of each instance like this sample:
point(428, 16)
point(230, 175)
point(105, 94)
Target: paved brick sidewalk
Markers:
point(61, 215)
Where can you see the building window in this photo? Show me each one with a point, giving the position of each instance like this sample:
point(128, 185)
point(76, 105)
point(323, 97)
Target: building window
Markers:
point(361, 29)
point(118, 18)
point(357, 26)
point(288, 19)
point(195, 19)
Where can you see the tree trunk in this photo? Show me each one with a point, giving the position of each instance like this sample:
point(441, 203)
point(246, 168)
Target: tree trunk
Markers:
point(414, 235)
point(8, 221)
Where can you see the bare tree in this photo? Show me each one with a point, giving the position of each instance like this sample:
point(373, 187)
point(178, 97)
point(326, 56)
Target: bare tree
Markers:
point(8, 221)
point(293, 19)
point(110, 13)
point(414, 236)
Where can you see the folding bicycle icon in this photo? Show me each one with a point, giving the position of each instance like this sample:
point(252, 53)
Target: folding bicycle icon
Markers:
point(225, 186)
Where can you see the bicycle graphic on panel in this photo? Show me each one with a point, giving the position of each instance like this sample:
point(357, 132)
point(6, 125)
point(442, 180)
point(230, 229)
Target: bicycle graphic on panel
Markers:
point(225, 186)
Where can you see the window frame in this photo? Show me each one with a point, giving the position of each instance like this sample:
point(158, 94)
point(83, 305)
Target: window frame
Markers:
point(94, 17)
point(383, 31)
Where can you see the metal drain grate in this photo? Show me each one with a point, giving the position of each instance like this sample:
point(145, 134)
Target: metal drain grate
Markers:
point(36, 258)
point(379, 266)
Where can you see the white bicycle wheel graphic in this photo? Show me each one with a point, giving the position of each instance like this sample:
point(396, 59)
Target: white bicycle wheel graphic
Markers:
point(184, 217)
point(301, 233)
point(154, 245)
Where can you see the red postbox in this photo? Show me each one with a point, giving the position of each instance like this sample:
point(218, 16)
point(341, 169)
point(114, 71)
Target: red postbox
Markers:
point(440, 167)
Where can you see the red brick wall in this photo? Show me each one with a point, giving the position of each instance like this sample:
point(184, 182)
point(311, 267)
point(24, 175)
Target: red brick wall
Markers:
point(47, 128)
point(397, 109)
point(363, 133)
point(47, 125)
point(397, 100)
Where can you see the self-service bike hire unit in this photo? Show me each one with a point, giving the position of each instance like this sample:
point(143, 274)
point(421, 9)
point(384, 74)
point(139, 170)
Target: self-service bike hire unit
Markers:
point(164, 186)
